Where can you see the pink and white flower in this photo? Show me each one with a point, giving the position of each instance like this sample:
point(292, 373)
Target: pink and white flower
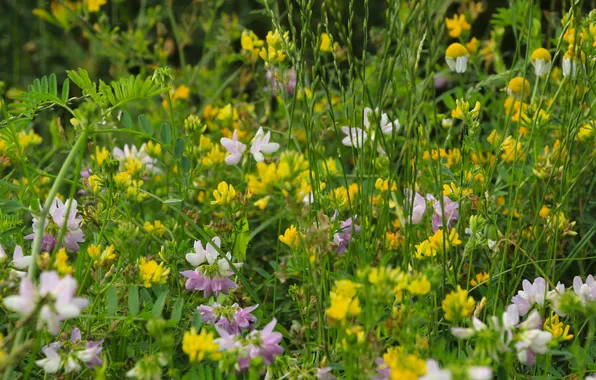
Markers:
point(262, 145)
point(234, 147)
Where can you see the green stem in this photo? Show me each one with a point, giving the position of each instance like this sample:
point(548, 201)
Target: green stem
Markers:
point(40, 228)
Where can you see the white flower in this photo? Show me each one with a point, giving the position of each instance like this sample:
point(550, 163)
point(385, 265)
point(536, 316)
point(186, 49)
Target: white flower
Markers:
point(51, 364)
point(2, 254)
point(355, 137)
point(587, 291)
point(234, 147)
point(459, 64)
point(25, 302)
point(569, 67)
point(224, 265)
point(71, 365)
point(554, 296)
point(465, 333)
point(386, 126)
point(209, 253)
point(532, 342)
point(136, 154)
point(20, 261)
point(434, 372)
point(261, 144)
point(541, 67)
point(480, 373)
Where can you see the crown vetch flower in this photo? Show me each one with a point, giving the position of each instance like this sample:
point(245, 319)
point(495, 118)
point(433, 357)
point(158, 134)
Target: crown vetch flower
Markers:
point(234, 147)
point(532, 293)
point(210, 275)
point(73, 236)
point(58, 296)
point(262, 145)
point(232, 319)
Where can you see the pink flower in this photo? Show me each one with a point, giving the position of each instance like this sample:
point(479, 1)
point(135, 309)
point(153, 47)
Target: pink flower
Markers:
point(418, 205)
point(73, 235)
point(20, 261)
point(57, 295)
point(532, 293)
point(261, 144)
point(234, 147)
point(233, 319)
point(265, 343)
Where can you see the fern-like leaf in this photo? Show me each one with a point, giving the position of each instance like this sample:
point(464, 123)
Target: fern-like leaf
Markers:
point(42, 92)
point(82, 80)
point(122, 91)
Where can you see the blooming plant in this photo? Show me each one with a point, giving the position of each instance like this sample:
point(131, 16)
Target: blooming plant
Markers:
point(298, 190)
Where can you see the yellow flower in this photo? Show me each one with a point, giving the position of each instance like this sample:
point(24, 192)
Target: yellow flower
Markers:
point(133, 165)
point(251, 44)
point(291, 237)
point(94, 5)
point(94, 251)
point(152, 273)
point(61, 262)
point(27, 139)
point(107, 256)
point(451, 240)
point(100, 155)
point(383, 185)
point(325, 43)
point(518, 85)
point(346, 288)
point(512, 150)
point(157, 228)
point(214, 156)
point(472, 46)
point(457, 304)
point(425, 249)
point(201, 346)
point(403, 366)
point(181, 92)
point(263, 202)
point(544, 211)
point(94, 183)
point(153, 150)
point(480, 278)
point(342, 306)
point(559, 330)
point(585, 132)
point(224, 195)
point(122, 180)
point(419, 286)
point(456, 25)
point(274, 52)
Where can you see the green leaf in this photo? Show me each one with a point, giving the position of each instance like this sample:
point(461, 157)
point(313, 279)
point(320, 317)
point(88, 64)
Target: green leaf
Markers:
point(449, 102)
point(197, 320)
point(241, 238)
point(126, 120)
point(166, 134)
point(11, 206)
point(145, 124)
point(159, 304)
point(133, 300)
point(147, 300)
point(65, 90)
point(185, 164)
point(112, 302)
point(177, 312)
point(53, 89)
point(179, 147)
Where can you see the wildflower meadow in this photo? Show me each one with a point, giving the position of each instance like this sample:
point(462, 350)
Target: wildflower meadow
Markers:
point(298, 189)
